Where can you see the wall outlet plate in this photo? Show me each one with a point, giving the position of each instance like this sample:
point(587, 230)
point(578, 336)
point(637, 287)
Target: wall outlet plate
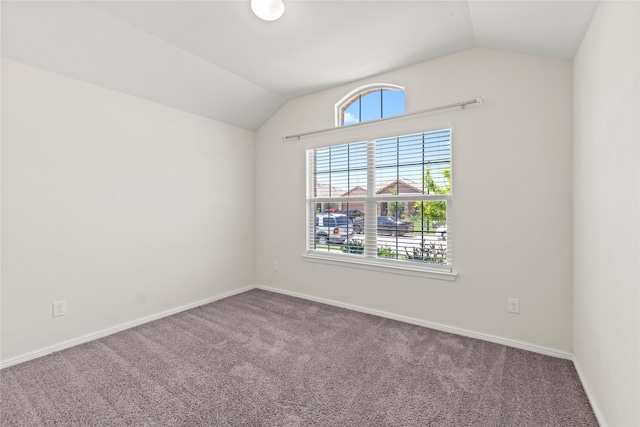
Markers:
point(514, 305)
point(59, 308)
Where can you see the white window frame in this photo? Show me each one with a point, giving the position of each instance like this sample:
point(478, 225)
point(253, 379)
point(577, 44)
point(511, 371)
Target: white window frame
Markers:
point(362, 90)
point(370, 260)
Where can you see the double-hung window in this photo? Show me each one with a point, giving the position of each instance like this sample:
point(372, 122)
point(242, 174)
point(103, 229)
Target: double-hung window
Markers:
point(383, 202)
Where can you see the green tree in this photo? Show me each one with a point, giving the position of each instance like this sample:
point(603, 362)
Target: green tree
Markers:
point(430, 212)
point(395, 209)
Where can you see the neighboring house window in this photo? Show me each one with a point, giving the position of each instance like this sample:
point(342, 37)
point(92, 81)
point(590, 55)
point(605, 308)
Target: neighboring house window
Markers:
point(384, 202)
point(368, 103)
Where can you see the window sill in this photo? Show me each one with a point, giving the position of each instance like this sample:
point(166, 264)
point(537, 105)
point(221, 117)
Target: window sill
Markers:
point(380, 265)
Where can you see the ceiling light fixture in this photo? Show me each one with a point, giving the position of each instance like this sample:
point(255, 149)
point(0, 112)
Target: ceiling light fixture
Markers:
point(269, 10)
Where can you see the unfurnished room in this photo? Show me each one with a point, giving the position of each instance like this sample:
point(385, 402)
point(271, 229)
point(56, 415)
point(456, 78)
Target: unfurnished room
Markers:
point(320, 213)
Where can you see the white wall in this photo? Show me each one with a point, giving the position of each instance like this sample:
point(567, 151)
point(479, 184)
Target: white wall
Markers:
point(606, 213)
point(122, 207)
point(512, 199)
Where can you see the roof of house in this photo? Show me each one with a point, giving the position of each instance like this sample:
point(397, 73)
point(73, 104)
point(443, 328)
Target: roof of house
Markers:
point(381, 187)
point(387, 185)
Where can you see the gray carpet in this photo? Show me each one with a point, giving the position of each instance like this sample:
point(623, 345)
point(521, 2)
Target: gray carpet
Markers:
point(264, 359)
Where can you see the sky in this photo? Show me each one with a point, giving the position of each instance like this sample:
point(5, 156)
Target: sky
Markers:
point(344, 167)
point(375, 105)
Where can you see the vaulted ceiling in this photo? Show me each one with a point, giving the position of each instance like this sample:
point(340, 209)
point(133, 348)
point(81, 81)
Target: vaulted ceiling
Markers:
point(216, 59)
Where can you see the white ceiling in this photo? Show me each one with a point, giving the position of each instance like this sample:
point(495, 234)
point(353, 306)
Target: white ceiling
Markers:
point(216, 59)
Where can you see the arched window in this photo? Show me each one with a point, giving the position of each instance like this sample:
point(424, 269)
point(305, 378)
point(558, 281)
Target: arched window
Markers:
point(371, 102)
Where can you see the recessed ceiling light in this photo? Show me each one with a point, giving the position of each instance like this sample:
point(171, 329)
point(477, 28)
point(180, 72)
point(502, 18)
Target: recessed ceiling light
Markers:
point(269, 10)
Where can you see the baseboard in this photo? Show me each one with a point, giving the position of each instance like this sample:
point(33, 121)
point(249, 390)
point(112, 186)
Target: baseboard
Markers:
point(585, 385)
point(105, 332)
point(458, 331)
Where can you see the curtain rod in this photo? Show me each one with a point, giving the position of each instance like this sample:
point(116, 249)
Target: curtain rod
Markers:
point(462, 104)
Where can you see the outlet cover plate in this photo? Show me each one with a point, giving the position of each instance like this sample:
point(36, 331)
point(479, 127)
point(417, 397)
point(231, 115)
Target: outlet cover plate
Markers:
point(59, 308)
point(514, 305)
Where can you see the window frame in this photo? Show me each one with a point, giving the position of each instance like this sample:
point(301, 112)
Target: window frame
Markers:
point(355, 94)
point(369, 260)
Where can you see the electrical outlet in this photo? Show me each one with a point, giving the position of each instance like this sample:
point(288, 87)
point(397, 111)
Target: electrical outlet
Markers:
point(275, 265)
point(59, 308)
point(514, 305)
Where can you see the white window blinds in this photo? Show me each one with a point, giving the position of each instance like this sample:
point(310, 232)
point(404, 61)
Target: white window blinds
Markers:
point(385, 200)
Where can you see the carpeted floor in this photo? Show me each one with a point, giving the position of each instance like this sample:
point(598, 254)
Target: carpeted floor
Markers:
point(265, 359)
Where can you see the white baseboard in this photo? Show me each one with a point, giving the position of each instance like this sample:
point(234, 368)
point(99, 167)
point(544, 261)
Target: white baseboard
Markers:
point(105, 332)
point(585, 385)
point(458, 331)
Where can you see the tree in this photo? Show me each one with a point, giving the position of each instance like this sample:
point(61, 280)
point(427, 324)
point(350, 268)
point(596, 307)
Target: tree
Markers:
point(436, 211)
point(395, 209)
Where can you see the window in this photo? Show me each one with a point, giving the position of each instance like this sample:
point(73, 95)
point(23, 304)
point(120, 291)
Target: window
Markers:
point(368, 103)
point(383, 202)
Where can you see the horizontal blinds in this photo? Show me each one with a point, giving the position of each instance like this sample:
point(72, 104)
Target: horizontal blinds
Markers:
point(341, 171)
point(393, 194)
point(417, 163)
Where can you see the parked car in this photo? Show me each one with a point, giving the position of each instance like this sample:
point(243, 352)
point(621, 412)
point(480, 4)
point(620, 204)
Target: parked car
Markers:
point(353, 214)
point(386, 225)
point(393, 226)
point(441, 232)
point(333, 228)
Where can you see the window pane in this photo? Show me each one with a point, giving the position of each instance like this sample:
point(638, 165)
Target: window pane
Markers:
point(392, 103)
point(371, 106)
point(419, 163)
point(351, 114)
point(412, 231)
point(322, 156)
point(341, 171)
point(334, 227)
point(437, 153)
